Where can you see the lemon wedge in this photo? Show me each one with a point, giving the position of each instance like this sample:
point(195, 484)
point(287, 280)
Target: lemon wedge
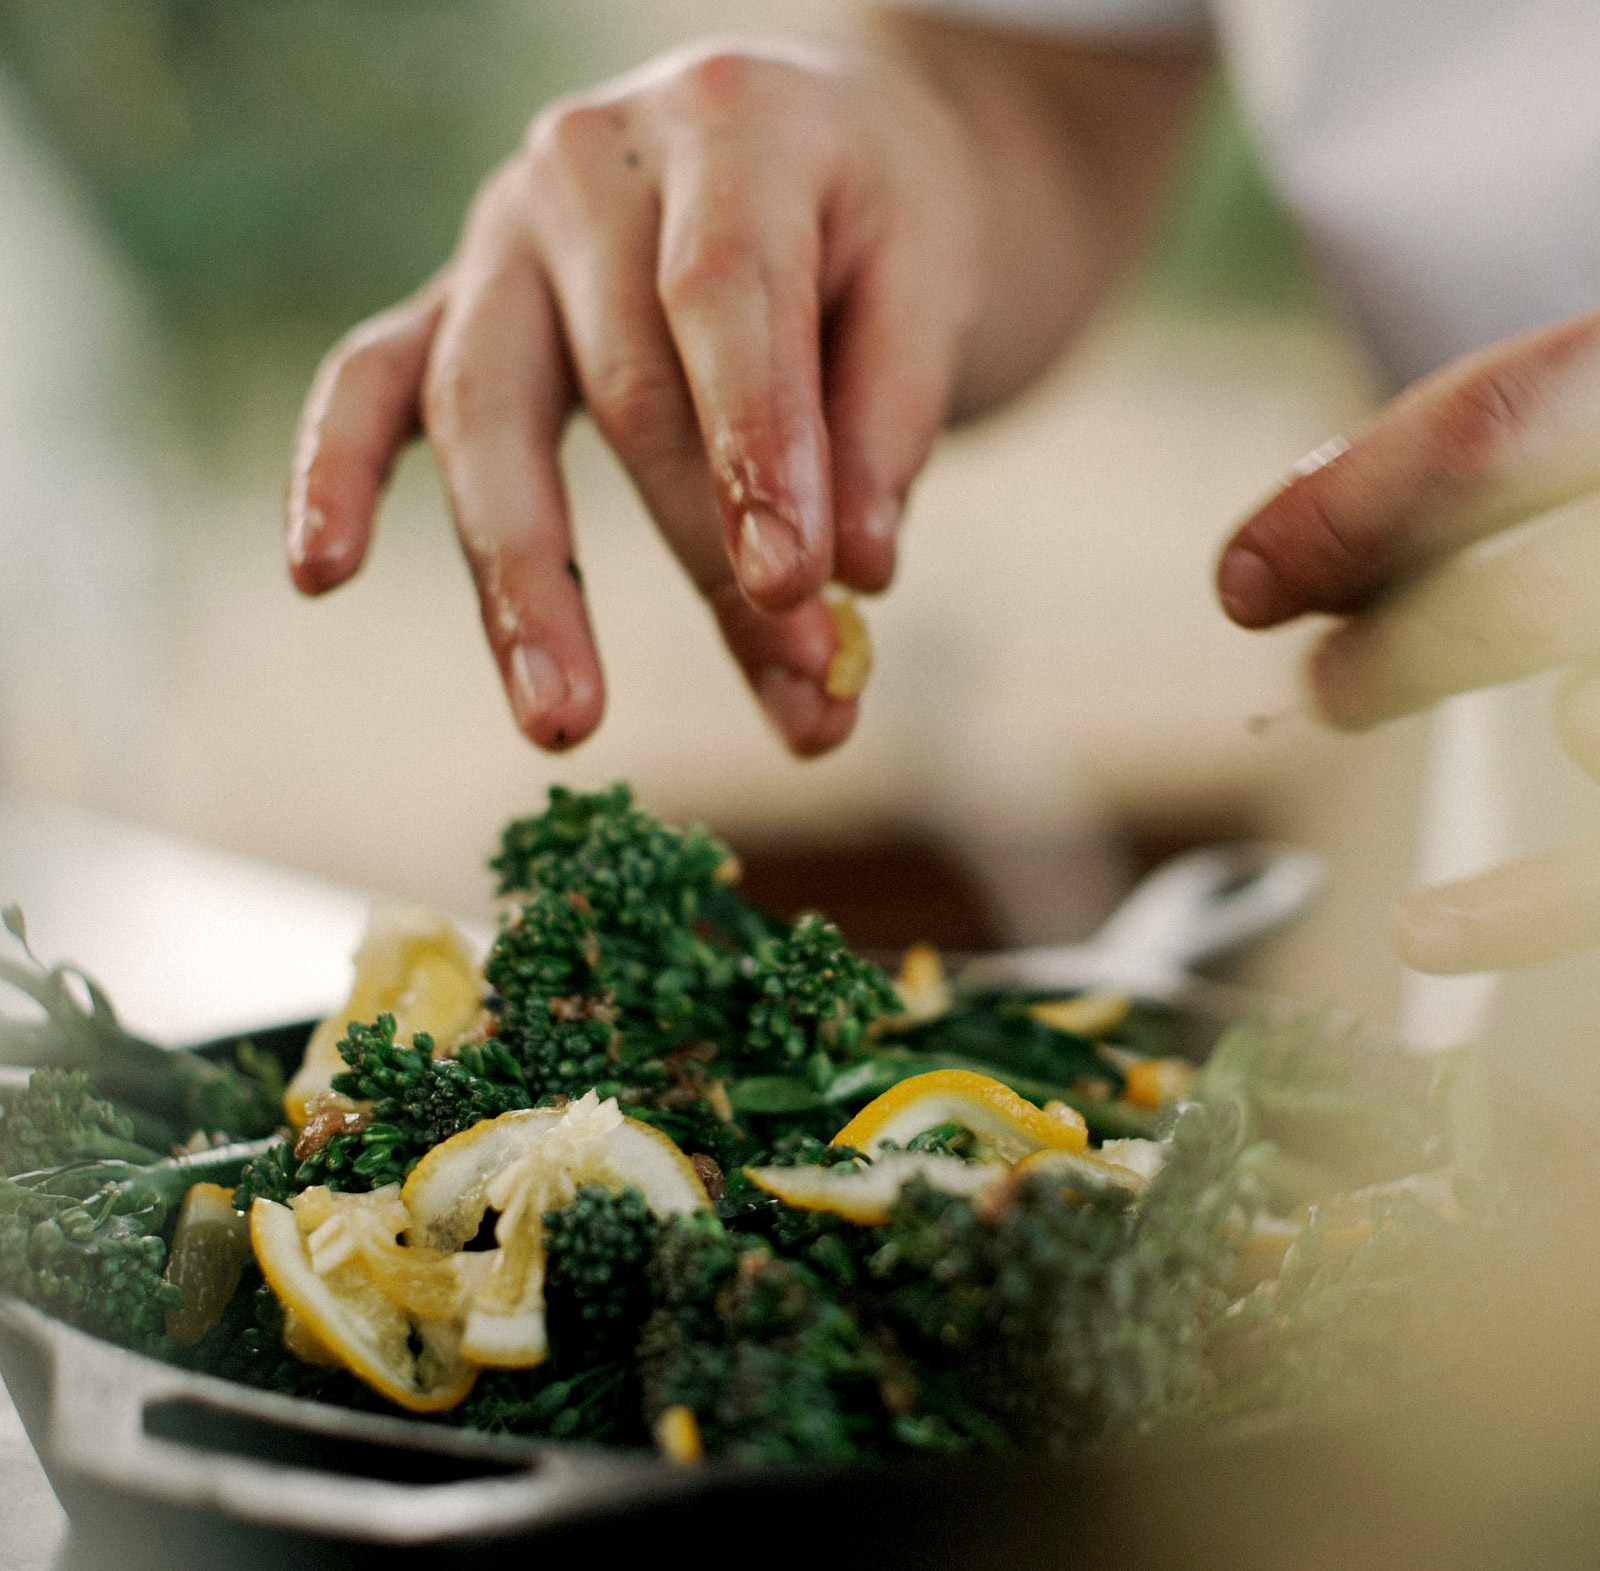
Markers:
point(1087, 1014)
point(923, 990)
point(1002, 1120)
point(209, 1248)
point(521, 1165)
point(1153, 1082)
point(867, 1194)
point(411, 964)
point(389, 1314)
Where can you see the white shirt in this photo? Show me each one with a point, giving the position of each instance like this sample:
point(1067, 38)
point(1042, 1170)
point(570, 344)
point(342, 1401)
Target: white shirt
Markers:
point(1442, 159)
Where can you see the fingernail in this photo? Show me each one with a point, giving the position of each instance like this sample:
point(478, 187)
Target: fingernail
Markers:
point(304, 528)
point(537, 685)
point(793, 704)
point(883, 520)
point(1316, 458)
point(1247, 587)
point(769, 551)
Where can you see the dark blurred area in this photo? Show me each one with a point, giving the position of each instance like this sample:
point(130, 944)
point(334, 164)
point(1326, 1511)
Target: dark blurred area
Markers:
point(288, 163)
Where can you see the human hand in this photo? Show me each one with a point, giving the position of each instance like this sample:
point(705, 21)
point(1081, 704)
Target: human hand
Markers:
point(754, 270)
point(1410, 533)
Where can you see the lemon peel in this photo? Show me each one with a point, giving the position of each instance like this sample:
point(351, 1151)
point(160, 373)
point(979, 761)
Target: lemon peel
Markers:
point(1009, 1125)
point(1087, 1014)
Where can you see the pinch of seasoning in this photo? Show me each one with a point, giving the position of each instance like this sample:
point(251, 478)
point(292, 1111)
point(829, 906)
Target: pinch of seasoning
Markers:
point(852, 657)
point(677, 1434)
point(709, 1174)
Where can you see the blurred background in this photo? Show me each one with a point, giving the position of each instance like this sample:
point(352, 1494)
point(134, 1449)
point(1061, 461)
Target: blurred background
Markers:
point(201, 194)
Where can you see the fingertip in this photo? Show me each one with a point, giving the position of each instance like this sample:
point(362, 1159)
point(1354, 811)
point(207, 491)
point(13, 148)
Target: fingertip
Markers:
point(1429, 936)
point(323, 552)
point(556, 706)
point(809, 722)
point(1249, 589)
point(867, 546)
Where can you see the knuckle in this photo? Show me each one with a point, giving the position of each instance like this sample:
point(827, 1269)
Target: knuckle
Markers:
point(457, 398)
point(1489, 410)
point(721, 79)
point(569, 133)
point(494, 205)
point(701, 264)
point(634, 399)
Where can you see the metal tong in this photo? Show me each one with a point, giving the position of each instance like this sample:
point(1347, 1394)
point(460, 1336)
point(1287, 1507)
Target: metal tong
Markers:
point(1190, 909)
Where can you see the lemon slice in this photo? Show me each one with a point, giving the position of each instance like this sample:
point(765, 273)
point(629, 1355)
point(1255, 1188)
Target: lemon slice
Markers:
point(867, 1194)
point(1001, 1119)
point(209, 1248)
point(388, 1314)
point(411, 964)
point(1123, 1166)
point(523, 1164)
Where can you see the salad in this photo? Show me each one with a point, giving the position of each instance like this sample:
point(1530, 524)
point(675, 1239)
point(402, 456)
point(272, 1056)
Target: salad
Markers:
point(667, 1171)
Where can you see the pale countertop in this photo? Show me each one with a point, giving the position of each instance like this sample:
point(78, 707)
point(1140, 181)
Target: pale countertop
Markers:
point(32, 1525)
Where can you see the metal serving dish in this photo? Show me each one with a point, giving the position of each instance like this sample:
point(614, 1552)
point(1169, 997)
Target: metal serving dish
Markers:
point(160, 1468)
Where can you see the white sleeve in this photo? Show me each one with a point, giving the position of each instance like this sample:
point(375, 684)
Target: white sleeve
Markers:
point(1131, 21)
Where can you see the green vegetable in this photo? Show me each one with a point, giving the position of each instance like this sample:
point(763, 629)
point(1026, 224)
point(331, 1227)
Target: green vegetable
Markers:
point(415, 1101)
point(58, 1119)
point(84, 1239)
point(1050, 1314)
point(597, 1296)
point(773, 1364)
point(165, 1094)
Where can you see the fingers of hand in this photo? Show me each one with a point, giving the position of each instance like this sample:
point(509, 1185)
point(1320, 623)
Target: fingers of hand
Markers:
point(786, 658)
point(362, 409)
point(1520, 915)
point(498, 393)
point(596, 221)
point(1484, 442)
point(597, 227)
point(891, 368)
point(738, 274)
point(1500, 610)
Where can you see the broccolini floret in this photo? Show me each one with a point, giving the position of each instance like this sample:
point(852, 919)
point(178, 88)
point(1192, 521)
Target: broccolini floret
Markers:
point(596, 1293)
point(412, 1100)
point(59, 1119)
point(774, 1366)
point(598, 1251)
point(814, 998)
point(1067, 1318)
point(633, 967)
point(83, 1240)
